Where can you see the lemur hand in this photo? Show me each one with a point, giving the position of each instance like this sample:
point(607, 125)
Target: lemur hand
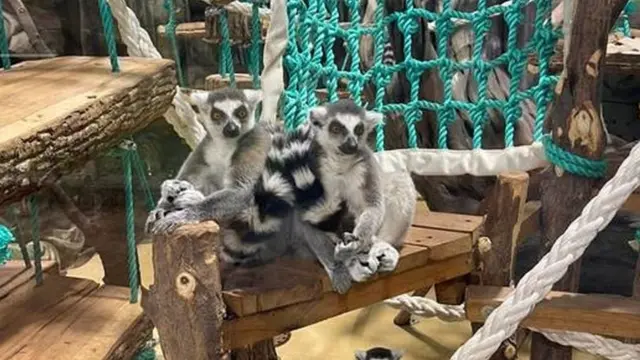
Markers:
point(175, 219)
point(349, 247)
point(175, 195)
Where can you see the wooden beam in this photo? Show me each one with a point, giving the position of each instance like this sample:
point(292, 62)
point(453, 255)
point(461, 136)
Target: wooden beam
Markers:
point(504, 211)
point(575, 122)
point(185, 301)
point(217, 81)
point(265, 325)
point(58, 113)
point(530, 222)
point(607, 315)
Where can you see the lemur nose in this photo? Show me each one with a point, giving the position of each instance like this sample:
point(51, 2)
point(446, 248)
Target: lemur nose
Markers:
point(231, 130)
point(349, 146)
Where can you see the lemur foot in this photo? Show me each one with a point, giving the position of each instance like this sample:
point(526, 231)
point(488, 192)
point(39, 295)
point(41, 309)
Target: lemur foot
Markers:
point(175, 195)
point(173, 220)
point(340, 279)
point(386, 255)
point(362, 267)
point(349, 247)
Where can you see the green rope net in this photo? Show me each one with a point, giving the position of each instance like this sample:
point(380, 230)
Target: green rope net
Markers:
point(169, 6)
point(311, 67)
point(6, 237)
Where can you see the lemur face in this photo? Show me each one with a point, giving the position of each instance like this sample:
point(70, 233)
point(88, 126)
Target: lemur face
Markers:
point(379, 353)
point(343, 126)
point(229, 112)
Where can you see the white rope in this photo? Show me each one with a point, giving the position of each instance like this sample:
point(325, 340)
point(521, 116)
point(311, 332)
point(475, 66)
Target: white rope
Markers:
point(247, 10)
point(504, 320)
point(608, 348)
point(138, 43)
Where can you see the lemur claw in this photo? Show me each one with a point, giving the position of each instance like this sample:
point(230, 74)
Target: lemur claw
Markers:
point(344, 251)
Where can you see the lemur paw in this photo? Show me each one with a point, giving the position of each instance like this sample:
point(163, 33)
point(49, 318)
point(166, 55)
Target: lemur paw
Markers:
point(345, 251)
point(173, 220)
point(154, 215)
point(188, 198)
point(340, 279)
point(171, 189)
point(362, 267)
point(386, 255)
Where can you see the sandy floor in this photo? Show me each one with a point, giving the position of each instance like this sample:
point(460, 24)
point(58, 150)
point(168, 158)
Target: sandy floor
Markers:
point(339, 337)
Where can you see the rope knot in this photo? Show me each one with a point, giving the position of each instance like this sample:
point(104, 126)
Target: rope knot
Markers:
point(571, 162)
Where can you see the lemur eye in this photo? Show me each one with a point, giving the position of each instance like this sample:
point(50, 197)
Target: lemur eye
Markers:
point(216, 115)
point(334, 128)
point(241, 113)
point(359, 129)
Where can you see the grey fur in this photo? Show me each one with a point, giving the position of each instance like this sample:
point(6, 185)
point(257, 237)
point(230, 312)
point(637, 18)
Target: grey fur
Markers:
point(379, 353)
point(353, 177)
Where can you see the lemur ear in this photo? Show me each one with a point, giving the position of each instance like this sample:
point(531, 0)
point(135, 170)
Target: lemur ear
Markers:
point(318, 116)
point(397, 354)
point(254, 96)
point(195, 97)
point(361, 355)
point(372, 119)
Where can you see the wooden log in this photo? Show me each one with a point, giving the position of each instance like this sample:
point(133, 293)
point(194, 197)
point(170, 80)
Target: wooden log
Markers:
point(58, 113)
point(185, 301)
point(217, 81)
point(575, 122)
point(451, 292)
point(504, 209)
point(606, 315)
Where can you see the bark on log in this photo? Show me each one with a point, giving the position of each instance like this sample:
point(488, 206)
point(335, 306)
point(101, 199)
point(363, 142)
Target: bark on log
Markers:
point(58, 113)
point(575, 122)
point(185, 302)
point(504, 209)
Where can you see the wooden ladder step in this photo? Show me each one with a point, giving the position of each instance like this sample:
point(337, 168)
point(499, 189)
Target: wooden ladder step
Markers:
point(58, 113)
point(70, 318)
point(217, 81)
point(607, 315)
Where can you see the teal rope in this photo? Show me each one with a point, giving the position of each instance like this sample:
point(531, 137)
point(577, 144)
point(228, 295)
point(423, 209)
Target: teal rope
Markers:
point(171, 33)
point(226, 61)
point(132, 259)
point(6, 237)
point(637, 236)
point(35, 237)
point(4, 43)
point(573, 163)
point(256, 40)
point(145, 354)
point(109, 34)
point(12, 212)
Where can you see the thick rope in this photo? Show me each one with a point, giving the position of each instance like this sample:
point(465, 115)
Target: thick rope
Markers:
point(138, 165)
point(256, 40)
point(35, 237)
point(226, 58)
point(532, 288)
point(609, 348)
point(6, 237)
point(109, 34)
point(573, 163)
point(171, 33)
point(4, 43)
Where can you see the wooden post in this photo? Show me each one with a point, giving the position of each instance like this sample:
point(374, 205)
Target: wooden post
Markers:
point(575, 122)
point(504, 209)
point(185, 302)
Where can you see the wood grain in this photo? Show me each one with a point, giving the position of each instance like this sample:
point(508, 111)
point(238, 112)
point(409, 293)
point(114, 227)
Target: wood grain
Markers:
point(58, 113)
point(607, 315)
point(69, 318)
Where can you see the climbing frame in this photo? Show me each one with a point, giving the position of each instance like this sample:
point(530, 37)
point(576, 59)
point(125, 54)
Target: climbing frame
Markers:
point(287, 294)
point(58, 113)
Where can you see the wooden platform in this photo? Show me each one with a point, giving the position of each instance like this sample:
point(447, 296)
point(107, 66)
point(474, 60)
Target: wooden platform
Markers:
point(623, 55)
point(607, 315)
point(58, 113)
point(288, 295)
point(68, 318)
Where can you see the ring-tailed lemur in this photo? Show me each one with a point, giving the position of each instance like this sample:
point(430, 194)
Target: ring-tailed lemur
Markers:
point(252, 206)
point(379, 353)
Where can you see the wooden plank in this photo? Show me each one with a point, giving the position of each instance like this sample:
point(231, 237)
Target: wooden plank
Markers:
point(58, 113)
point(446, 221)
point(530, 220)
point(632, 203)
point(246, 330)
point(69, 318)
point(606, 315)
point(217, 81)
point(441, 244)
point(13, 274)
